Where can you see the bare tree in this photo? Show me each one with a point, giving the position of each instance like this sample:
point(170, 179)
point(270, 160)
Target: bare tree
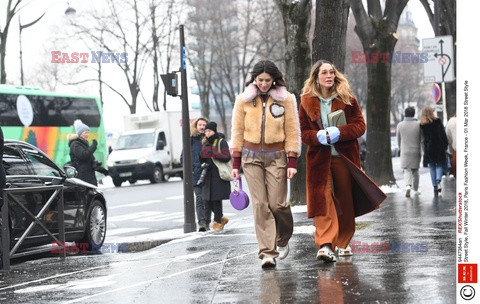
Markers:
point(12, 8)
point(407, 81)
point(443, 19)
point(296, 24)
point(377, 32)
point(271, 32)
point(226, 41)
point(120, 31)
point(355, 71)
point(329, 39)
point(164, 18)
point(201, 54)
point(248, 51)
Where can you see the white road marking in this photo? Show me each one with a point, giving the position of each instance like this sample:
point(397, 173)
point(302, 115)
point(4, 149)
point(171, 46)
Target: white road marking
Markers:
point(141, 257)
point(159, 278)
point(134, 215)
point(76, 285)
point(38, 288)
point(118, 231)
point(136, 204)
point(73, 272)
point(175, 197)
point(159, 218)
point(52, 277)
point(161, 235)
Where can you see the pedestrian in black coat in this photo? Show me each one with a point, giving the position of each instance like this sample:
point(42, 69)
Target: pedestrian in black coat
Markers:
point(81, 154)
point(435, 144)
point(214, 188)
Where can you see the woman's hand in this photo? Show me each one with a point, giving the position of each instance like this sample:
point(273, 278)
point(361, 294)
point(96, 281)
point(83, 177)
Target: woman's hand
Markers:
point(291, 172)
point(235, 174)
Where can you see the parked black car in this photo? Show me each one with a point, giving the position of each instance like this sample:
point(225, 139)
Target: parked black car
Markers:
point(85, 212)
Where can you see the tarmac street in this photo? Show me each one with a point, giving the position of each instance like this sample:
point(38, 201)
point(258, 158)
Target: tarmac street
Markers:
point(404, 252)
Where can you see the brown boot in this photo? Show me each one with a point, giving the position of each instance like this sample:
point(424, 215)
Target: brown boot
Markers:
point(224, 221)
point(217, 226)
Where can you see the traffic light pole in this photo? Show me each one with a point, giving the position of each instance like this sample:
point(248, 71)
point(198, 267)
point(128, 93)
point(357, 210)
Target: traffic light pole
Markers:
point(188, 200)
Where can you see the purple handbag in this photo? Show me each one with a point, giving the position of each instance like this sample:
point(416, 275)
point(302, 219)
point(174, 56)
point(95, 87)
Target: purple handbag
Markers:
point(238, 197)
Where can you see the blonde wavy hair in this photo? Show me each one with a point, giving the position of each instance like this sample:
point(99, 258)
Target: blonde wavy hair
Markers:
point(341, 87)
point(428, 116)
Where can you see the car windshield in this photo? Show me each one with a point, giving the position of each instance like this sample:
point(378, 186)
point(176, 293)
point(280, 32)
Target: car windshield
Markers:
point(134, 141)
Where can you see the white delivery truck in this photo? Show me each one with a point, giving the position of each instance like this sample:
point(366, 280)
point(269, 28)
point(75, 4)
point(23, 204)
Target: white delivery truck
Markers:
point(150, 148)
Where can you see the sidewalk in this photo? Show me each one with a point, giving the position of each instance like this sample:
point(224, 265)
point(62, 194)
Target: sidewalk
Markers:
point(403, 253)
point(415, 262)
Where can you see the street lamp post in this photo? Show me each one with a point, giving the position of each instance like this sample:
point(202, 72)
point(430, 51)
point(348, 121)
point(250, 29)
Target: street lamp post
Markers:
point(69, 12)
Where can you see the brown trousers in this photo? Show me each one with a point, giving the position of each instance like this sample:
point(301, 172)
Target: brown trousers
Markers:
point(267, 181)
point(337, 228)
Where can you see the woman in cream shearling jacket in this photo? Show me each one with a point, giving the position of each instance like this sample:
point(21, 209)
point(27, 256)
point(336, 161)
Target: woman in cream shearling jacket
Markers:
point(266, 143)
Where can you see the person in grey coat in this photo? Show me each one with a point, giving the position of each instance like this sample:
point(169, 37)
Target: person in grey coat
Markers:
point(409, 143)
point(215, 189)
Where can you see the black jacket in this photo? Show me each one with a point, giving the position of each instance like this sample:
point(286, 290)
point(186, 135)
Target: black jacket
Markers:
point(196, 150)
point(196, 142)
point(81, 154)
point(435, 142)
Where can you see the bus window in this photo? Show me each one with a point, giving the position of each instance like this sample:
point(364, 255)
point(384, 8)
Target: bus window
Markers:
point(51, 111)
point(44, 120)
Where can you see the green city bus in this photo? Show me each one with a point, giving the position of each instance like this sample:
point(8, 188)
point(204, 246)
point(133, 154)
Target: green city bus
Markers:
point(44, 119)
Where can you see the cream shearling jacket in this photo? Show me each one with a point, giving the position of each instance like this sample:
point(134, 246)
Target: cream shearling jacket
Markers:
point(276, 122)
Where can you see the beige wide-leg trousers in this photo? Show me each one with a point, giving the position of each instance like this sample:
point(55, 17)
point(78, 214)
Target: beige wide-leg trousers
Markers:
point(266, 176)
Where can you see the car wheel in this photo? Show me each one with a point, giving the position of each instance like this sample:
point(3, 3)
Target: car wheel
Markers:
point(157, 175)
point(117, 182)
point(95, 228)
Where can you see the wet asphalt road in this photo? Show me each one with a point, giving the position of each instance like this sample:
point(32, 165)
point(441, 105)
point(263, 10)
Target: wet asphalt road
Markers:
point(416, 234)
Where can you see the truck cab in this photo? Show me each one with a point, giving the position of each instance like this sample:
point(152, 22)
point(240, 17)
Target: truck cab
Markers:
point(141, 154)
point(150, 148)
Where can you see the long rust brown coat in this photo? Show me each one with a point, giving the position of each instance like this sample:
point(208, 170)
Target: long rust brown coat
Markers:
point(366, 195)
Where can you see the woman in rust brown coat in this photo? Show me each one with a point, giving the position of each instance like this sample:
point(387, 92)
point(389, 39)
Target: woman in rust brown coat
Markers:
point(336, 187)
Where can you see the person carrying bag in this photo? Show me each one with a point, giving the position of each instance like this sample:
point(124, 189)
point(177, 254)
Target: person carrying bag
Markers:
point(215, 188)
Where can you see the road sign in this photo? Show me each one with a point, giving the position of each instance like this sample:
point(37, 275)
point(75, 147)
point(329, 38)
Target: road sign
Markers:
point(439, 67)
point(436, 92)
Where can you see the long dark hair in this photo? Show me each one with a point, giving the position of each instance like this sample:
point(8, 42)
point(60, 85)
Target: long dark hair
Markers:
point(266, 66)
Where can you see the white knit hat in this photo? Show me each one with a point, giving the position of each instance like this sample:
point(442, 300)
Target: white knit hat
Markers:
point(80, 127)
